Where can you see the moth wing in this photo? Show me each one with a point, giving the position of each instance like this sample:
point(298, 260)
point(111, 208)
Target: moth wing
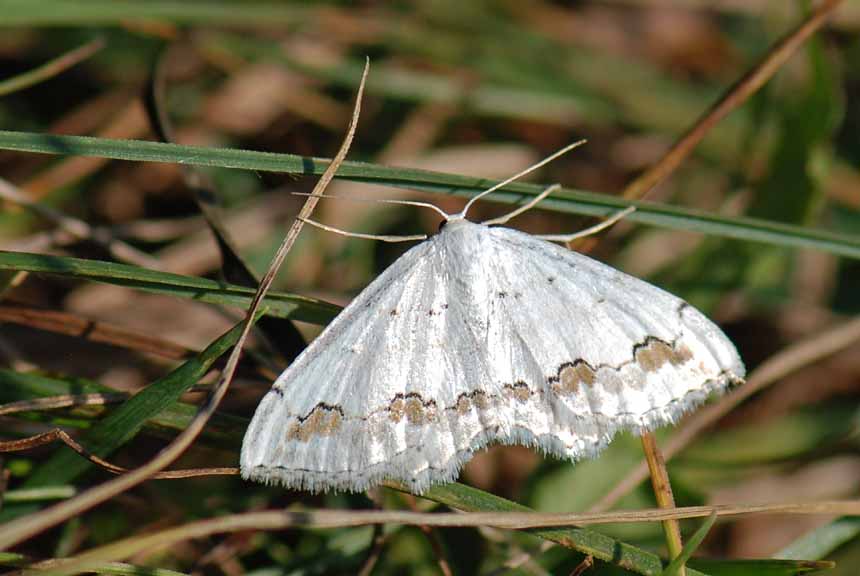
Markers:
point(599, 349)
point(362, 402)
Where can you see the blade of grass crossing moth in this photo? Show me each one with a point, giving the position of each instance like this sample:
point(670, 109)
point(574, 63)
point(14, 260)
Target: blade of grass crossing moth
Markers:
point(567, 201)
point(679, 562)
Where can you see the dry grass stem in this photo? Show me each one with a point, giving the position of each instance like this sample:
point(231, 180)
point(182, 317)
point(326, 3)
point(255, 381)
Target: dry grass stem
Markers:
point(663, 494)
point(378, 545)
point(587, 563)
point(94, 331)
point(61, 401)
point(52, 68)
point(284, 520)
point(432, 538)
point(736, 95)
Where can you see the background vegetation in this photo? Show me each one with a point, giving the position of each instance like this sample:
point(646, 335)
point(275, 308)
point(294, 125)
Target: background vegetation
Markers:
point(117, 302)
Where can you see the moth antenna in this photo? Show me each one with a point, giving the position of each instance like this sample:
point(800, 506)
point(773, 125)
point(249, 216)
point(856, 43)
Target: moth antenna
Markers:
point(517, 176)
point(528, 206)
point(365, 236)
point(588, 231)
point(380, 200)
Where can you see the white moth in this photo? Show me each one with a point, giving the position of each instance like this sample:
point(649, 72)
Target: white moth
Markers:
point(482, 334)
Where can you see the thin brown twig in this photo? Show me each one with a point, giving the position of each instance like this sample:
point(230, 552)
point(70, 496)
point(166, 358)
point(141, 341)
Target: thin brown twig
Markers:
point(326, 518)
point(92, 330)
point(58, 434)
point(52, 68)
point(101, 332)
point(663, 493)
point(223, 556)
point(61, 401)
point(10, 280)
point(432, 538)
point(32, 442)
point(379, 542)
point(792, 359)
point(586, 563)
point(70, 400)
point(21, 529)
point(287, 519)
point(736, 95)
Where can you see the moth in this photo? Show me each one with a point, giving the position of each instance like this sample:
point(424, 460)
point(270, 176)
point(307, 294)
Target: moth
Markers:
point(483, 334)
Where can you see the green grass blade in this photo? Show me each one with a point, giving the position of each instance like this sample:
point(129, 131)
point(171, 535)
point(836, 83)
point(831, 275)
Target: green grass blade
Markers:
point(101, 12)
point(758, 567)
point(16, 386)
point(823, 540)
point(462, 497)
point(200, 289)
point(691, 546)
point(570, 201)
point(122, 424)
point(223, 429)
point(636, 560)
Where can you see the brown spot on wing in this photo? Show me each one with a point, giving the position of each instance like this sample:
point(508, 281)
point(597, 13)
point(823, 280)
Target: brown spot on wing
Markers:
point(655, 353)
point(413, 408)
point(518, 391)
point(323, 420)
point(481, 400)
point(571, 376)
point(396, 409)
point(463, 406)
point(415, 411)
point(476, 399)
